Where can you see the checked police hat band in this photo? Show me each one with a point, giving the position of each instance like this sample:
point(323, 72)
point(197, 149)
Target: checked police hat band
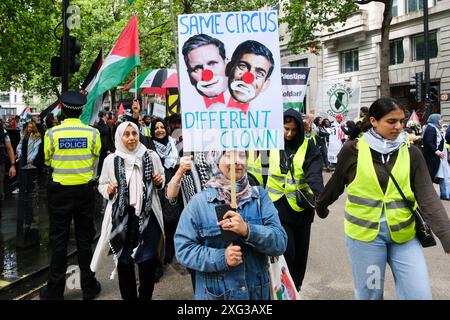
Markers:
point(71, 107)
point(73, 100)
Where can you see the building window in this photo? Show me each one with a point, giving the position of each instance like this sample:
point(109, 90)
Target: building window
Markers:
point(396, 51)
point(395, 8)
point(299, 63)
point(349, 61)
point(4, 97)
point(418, 46)
point(415, 5)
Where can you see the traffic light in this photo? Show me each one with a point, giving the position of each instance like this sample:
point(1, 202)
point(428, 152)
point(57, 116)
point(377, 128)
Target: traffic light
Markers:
point(416, 88)
point(435, 96)
point(74, 51)
point(434, 93)
point(55, 67)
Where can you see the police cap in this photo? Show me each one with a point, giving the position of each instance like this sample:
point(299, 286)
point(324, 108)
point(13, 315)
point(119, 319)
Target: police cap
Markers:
point(73, 100)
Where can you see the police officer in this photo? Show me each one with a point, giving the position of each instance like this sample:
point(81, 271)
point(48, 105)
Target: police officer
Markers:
point(71, 150)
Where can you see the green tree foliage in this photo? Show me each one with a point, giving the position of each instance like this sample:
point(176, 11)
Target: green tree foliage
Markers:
point(27, 43)
point(31, 30)
point(307, 19)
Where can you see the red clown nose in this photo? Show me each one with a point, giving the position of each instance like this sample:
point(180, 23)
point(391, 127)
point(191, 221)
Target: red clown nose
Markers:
point(207, 75)
point(248, 77)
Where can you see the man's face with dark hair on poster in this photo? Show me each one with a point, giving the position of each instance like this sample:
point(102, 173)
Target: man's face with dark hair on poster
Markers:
point(207, 70)
point(248, 77)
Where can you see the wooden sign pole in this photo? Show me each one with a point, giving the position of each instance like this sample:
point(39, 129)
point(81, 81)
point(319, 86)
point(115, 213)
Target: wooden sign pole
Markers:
point(233, 179)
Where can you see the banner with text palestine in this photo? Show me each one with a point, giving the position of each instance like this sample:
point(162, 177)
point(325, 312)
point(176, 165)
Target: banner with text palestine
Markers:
point(294, 81)
point(230, 81)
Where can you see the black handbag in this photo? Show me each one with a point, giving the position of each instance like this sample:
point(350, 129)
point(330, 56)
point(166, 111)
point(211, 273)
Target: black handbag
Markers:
point(423, 230)
point(305, 199)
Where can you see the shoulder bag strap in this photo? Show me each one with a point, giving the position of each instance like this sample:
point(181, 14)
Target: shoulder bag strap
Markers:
point(408, 203)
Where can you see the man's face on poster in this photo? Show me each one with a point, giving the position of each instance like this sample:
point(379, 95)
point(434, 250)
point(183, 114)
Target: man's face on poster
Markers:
point(249, 77)
point(207, 70)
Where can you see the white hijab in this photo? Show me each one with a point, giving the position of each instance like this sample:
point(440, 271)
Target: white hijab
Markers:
point(133, 165)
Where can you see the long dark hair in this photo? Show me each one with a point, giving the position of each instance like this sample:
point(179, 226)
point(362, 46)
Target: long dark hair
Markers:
point(164, 140)
point(379, 109)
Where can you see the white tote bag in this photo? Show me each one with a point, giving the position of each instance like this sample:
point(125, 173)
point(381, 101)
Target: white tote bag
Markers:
point(281, 284)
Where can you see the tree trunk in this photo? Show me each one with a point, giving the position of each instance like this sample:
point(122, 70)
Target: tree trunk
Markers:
point(384, 49)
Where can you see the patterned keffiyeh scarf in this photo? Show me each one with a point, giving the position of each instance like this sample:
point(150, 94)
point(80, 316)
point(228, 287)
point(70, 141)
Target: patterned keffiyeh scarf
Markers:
point(223, 185)
point(195, 180)
point(166, 154)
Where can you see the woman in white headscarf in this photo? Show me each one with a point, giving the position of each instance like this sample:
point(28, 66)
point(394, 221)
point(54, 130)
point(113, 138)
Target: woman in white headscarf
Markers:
point(133, 226)
point(435, 154)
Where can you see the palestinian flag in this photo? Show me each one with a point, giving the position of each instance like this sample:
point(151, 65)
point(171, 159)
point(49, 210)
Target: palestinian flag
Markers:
point(26, 113)
point(88, 82)
point(124, 56)
point(121, 110)
point(131, 86)
point(414, 119)
point(57, 110)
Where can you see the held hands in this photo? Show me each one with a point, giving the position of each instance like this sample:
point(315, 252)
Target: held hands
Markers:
point(233, 255)
point(440, 154)
point(111, 188)
point(157, 180)
point(232, 221)
point(185, 164)
point(12, 171)
point(136, 107)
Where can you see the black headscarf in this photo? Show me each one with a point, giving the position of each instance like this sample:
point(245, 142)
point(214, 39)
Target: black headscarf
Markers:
point(293, 145)
point(164, 140)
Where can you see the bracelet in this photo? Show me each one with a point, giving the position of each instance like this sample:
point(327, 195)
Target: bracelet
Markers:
point(13, 164)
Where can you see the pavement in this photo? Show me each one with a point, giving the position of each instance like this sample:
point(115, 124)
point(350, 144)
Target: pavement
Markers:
point(328, 275)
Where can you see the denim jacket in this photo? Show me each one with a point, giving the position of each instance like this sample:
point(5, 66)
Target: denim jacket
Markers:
point(199, 246)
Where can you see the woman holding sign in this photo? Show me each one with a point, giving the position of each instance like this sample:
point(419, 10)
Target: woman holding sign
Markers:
point(226, 247)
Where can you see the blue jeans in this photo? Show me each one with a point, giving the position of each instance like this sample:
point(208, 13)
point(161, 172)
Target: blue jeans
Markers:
point(444, 188)
point(407, 262)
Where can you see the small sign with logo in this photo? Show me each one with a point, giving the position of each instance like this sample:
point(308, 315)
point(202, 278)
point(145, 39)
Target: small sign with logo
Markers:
point(338, 97)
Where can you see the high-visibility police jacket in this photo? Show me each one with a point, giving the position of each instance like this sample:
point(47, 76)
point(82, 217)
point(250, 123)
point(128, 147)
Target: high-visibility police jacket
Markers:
point(366, 201)
point(280, 184)
point(71, 150)
point(254, 166)
point(146, 131)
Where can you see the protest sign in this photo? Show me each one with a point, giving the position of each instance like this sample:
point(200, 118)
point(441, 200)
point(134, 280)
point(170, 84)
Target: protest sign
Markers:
point(294, 81)
point(230, 81)
point(338, 97)
point(159, 107)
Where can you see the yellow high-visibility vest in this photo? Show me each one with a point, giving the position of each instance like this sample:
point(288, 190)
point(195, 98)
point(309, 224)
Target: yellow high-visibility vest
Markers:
point(146, 131)
point(71, 150)
point(280, 184)
point(254, 166)
point(366, 201)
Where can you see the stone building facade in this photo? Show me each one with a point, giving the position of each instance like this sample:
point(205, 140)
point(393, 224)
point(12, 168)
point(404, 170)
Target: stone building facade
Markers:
point(351, 53)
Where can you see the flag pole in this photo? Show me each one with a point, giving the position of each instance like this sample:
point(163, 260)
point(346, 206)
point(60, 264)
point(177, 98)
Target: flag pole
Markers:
point(135, 83)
